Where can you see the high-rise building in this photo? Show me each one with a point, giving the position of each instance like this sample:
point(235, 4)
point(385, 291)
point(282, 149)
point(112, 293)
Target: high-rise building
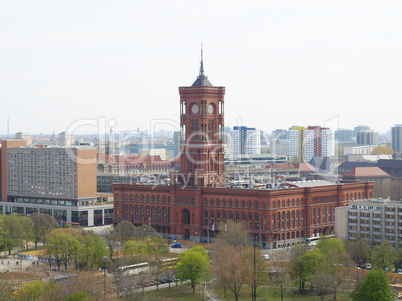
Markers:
point(24, 136)
point(310, 142)
point(176, 144)
point(245, 141)
point(344, 135)
point(396, 136)
point(360, 128)
point(60, 181)
point(367, 138)
point(65, 139)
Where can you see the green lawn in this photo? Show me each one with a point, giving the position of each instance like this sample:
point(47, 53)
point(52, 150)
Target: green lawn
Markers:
point(274, 294)
point(184, 293)
point(180, 293)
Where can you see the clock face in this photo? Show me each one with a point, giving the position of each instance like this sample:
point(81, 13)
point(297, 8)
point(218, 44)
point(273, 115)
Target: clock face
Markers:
point(195, 109)
point(210, 109)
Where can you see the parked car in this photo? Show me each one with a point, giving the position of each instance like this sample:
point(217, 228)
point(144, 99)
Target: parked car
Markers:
point(399, 271)
point(369, 266)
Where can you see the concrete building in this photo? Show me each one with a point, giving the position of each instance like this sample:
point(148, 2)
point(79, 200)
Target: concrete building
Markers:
point(65, 139)
point(24, 136)
point(344, 135)
point(360, 128)
point(245, 141)
point(313, 141)
point(58, 181)
point(396, 138)
point(374, 220)
point(367, 138)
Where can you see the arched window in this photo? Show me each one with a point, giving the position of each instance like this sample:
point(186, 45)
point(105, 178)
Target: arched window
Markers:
point(273, 205)
point(256, 221)
point(330, 214)
point(212, 202)
point(164, 199)
point(249, 204)
point(255, 204)
point(264, 205)
point(279, 220)
point(279, 204)
point(243, 204)
point(126, 210)
point(237, 203)
point(164, 215)
point(117, 196)
point(131, 198)
point(218, 216)
point(218, 203)
point(211, 215)
point(236, 216)
point(231, 215)
point(230, 203)
point(224, 215)
point(142, 198)
point(297, 219)
point(159, 198)
point(297, 202)
point(153, 213)
point(137, 213)
point(153, 199)
point(324, 215)
point(243, 217)
point(293, 219)
point(283, 220)
point(288, 203)
point(318, 216)
point(250, 220)
point(224, 203)
point(302, 218)
point(293, 202)
point(205, 217)
point(273, 221)
point(283, 204)
point(147, 198)
point(313, 216)
point(288, 219)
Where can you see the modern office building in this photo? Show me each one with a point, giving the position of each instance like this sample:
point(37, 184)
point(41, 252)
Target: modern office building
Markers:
point(360, 128)
point(396, 136)
point(374, 220)
point(65, 139)
point(344, 135)
point(244, 141)
point(367, 138)
point(197, 203)
point(60, 181)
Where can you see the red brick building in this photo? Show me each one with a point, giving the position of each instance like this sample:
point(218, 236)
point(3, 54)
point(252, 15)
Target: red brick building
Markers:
point(197, 202)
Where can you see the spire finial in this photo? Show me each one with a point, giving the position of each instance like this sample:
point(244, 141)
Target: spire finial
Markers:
point(202, 62)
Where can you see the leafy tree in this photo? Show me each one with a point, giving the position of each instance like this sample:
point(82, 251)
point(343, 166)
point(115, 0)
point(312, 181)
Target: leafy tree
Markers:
point(63, 247)
point(32, 290)
point(43, 225)
point(27, 229)
point(11, 232)
point(234, 234)
point(382, 150)
point(326, 244)
point(94, 249)
point(310, 260)
point(298, 265)
point(383, 256)
point(376, 287)
point(358, 250)
point(79, 296)
point(193, 265)
point(125, 229)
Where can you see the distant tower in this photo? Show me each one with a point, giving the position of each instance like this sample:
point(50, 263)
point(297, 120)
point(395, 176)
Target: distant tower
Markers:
point(202, 133)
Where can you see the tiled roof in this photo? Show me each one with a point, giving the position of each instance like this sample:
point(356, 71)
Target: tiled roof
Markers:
point(305, 167)
point(348, 166)
point(366, 172)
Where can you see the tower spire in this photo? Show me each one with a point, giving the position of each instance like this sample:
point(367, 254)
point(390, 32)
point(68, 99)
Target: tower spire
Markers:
point(202, 80)
point(202, 63)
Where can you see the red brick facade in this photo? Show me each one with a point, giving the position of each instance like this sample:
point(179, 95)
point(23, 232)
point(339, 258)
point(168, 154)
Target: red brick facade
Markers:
point(281, 216)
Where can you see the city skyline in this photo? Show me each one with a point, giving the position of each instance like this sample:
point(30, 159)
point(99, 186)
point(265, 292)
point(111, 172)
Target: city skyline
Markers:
point(314, 63)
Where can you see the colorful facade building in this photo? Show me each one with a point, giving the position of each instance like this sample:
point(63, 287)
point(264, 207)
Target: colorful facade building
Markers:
point(197, 203)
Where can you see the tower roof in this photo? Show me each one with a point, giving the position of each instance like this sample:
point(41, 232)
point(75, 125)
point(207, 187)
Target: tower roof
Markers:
point(202, 80)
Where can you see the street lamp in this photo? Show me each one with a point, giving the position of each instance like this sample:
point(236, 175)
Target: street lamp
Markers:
point(104, 274)
point(68, 238)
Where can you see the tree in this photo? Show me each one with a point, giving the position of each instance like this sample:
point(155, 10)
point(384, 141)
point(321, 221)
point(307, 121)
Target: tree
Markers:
point(27, 229)
point(231, 266)
point(12, 232)
point(94, 248)
point(376, 287)
point(326, 244)
point(232, 233)
point(321, 282)
point(382, 150)
point(64, 247)
point(298, 265)
point(32, 290)
point(43, 225)
point(383, 256)
point(280, 268)
point(125, 229)
point(310, 261)
point(193, 265)
point(358, 250)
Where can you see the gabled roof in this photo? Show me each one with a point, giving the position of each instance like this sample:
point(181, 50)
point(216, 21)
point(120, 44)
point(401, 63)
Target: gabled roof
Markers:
point(348, 166)
point(306, 167)
point(366, 172)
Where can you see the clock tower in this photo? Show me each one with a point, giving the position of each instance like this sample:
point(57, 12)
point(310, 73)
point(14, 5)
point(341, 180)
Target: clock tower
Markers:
point(202, 133)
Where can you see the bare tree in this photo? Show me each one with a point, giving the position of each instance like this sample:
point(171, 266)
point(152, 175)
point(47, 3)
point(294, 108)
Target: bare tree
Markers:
point(280, 265)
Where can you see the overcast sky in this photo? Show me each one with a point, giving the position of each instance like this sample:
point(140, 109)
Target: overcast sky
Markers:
point(283, 63)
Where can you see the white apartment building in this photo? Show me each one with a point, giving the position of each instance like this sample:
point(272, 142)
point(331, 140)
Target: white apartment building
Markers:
point(244, 141)
point(374, 220)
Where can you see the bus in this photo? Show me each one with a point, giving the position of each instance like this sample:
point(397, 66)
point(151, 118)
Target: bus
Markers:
point(167, 264)
point(313, 241)
point(134, 269)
